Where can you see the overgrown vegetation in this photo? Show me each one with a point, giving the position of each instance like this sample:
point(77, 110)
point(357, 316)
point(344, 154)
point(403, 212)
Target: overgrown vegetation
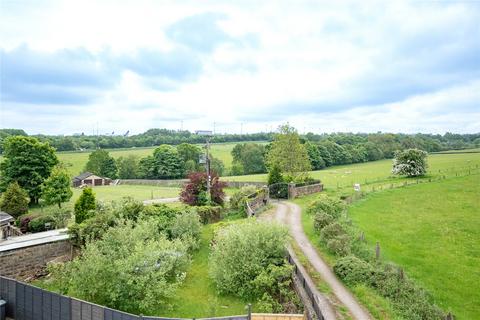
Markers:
point(248, 260)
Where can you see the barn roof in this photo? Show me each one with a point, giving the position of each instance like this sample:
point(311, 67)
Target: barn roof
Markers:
point(83, 176)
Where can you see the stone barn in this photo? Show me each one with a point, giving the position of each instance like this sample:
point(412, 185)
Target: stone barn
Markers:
point(90, 179)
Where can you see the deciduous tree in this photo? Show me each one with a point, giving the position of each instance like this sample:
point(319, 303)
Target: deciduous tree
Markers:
point(57, 188)
point(28, 162)
point(410, 162)
point(101, 163)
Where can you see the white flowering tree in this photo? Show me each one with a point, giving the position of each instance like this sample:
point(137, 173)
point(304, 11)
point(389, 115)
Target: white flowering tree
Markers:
point(410, 162)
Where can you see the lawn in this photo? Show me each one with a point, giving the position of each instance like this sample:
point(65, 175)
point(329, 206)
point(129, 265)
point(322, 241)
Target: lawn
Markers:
point(113, 193)
point(76, 160)
point(433, 231)
point(197, 297)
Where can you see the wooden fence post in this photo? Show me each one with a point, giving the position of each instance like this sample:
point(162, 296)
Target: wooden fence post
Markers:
point(249, 311)
point(377, 250)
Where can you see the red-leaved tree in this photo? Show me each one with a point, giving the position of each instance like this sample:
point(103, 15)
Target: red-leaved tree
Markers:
point(194, 193)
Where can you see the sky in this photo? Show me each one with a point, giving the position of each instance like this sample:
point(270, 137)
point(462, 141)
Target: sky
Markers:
point(240, 66)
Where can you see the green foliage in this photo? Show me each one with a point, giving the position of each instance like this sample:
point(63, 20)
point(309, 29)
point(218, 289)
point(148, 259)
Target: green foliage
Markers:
point(85, 205)
point(321, 220)
point(209, 214)
point(168, 163)
point(353, 270)
point(410, 162)
point(249, 158)
point(128, 167)
point(14, 200)
point(242, 253)
point(217, 166)
point(102, 164)
point(38, 224)
point(288, 153)
point(133, 268)
point(61, 216)
point(28, 162)
point(189, 152)
point(187, 227)
point(57, 188)
point(239, 198)
point(332, 231)
point(314, 156)
point(326, 204)
point(275, 175)
point(339, 245)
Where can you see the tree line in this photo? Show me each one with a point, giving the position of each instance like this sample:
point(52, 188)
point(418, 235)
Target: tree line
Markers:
point(156, 137)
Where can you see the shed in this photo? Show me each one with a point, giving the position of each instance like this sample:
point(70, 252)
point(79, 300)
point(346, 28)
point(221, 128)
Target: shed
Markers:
point(90, 179)
point(6, 221)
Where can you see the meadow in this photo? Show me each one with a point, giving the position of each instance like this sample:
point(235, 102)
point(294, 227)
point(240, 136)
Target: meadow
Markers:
point(433, 231)
point(76, 161)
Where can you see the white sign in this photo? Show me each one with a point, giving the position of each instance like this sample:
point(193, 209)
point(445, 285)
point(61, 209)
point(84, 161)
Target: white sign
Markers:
point(356, 187)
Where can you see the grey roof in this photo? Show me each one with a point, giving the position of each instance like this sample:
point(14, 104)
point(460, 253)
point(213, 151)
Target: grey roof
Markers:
point(83, 176)
point(5, 217)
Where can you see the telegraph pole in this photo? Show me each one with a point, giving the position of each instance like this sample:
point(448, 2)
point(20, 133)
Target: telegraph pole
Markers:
point(207, 166)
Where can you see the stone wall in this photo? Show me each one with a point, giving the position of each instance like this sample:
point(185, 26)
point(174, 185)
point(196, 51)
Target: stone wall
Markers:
point(295, 192)
point(24, 262)
point(260, 200)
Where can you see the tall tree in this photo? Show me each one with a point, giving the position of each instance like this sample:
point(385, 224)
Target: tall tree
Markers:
point(289, 154)
point(14, 200)
point(128, 167)
point(314, 155)
point(57, 187)
point(188, 152)
point(27, 161)
point(410, 162)
point(168, 163)
point(101, 163)
point(249, 157)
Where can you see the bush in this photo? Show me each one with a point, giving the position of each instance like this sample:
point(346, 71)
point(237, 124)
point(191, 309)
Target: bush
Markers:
point(14, 200)
point(209, 214)
point(85, 205)
point(353, 270)
point(187, 227)
point(92, 228)
point(242, 253)
point(133, 268)
point(321, 220)
point(23, 221)
point(328, 205)
point(61, 216)
point(38, 224)
point(339, 245)
point(194, 193)
point(332, 231)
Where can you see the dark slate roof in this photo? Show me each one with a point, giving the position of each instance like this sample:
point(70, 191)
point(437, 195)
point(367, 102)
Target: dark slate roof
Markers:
point(5, 217)
point(83, 176)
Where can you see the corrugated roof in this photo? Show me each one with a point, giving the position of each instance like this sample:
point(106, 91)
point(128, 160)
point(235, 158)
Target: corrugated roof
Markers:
point(83, 176)
point(5, 217)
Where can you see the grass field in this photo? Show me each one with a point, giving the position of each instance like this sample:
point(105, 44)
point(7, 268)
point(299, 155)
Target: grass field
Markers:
point(347, 175)
point(433, 231)
point(76, 160)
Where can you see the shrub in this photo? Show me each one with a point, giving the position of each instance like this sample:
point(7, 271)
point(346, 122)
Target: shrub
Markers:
point(328, 205)
point(332, 231)
point(194, 192)
point(14, 200)
point(187, 226)
point(23, 221)
point(209, 214)
point(132, 268)
point(353, 270)
point(321, 220)
point(61, 216)
point(92, 228)
point(241, 254)
point(85, 205)
point(38, 224)
point(339, 245)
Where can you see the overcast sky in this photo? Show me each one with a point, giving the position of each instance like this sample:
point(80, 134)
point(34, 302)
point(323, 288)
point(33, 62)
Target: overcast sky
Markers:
point(133, 65)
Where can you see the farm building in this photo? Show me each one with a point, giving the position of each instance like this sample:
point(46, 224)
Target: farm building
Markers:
point(90, 179)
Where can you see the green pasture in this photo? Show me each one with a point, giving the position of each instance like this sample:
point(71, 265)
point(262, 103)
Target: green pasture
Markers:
point(347, 175)
point(76, 161)
point(433, 231)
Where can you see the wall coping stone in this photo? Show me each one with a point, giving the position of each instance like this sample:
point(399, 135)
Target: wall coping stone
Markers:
point(33, 239)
